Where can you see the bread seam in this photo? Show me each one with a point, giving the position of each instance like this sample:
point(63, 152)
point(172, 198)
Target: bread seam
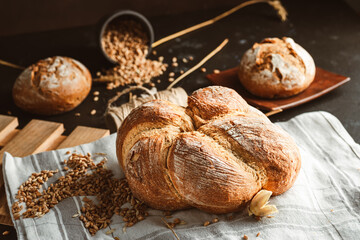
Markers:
point(232, 160)
point(260, 173)
point(167, 177)
point(204, 122)
point(139, 135)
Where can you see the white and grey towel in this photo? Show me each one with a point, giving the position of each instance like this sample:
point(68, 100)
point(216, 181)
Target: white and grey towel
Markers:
point(324, 203)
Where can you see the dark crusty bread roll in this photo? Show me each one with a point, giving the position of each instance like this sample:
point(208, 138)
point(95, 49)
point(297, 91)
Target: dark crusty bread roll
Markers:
point(214, 155)
point(52, 86)
point(276, 68)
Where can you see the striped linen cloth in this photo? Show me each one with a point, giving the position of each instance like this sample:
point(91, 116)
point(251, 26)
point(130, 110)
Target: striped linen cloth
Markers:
point(324, 203)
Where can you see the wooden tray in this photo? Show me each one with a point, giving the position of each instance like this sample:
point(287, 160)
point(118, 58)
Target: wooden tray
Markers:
point(323, 83)
point(37, 136)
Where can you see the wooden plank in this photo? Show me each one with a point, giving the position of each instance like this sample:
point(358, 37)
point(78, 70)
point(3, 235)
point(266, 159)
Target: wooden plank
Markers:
point(83, 135)
point(6, 220)
point(37, 136)
point(8, 137)
point(7, 132)
point(4, 209)
point(7, 125)
point(57, 142)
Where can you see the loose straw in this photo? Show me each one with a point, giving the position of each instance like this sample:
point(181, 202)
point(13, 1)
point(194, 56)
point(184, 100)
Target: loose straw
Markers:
point(204, 60)
point(5, 63)
point(127, 90)
point(162, 219)
point(276, 4)
point(273, 112)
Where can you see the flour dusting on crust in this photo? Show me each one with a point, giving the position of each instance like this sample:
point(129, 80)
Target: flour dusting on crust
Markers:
point(52, 85)
point(276, 68)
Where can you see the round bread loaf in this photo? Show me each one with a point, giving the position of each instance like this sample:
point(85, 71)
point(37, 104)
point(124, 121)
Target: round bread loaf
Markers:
point(276, 68)
point(215, 154)
point(51, 86)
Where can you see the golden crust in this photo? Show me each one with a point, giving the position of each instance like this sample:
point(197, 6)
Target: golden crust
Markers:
point(276, 68)
point(217, 166)
point(157, 116)
point(146, 173)
point(52, 86)
point(262, 145)
point(209, 177)
point(207, 103)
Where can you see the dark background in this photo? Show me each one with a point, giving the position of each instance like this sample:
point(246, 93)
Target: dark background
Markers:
point(23, 16)
point(329, 30)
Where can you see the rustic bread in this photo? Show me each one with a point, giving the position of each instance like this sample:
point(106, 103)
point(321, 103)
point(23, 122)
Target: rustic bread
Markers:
point(276, 68)
point(52, 86)
point(214, 155)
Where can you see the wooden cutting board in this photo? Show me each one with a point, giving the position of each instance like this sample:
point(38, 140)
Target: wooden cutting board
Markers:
point(37, 136)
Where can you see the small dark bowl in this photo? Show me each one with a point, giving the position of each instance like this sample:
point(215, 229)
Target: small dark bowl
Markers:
point(128, 14)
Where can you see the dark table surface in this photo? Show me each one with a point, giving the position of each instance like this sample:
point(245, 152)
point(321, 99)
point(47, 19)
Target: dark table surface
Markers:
point(329, 30)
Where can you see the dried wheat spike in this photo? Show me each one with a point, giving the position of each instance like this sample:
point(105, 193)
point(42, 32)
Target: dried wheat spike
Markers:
point(258, 205)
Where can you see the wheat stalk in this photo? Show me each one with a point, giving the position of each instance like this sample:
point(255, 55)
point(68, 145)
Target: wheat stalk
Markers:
point(172, 230)
point(127, 90)
point(204, 60)
point(9, 64)
point(276, 4)
point(273, 112)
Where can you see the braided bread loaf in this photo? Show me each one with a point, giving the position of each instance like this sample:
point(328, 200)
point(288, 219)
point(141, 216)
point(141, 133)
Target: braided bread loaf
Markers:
point(215, 154)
